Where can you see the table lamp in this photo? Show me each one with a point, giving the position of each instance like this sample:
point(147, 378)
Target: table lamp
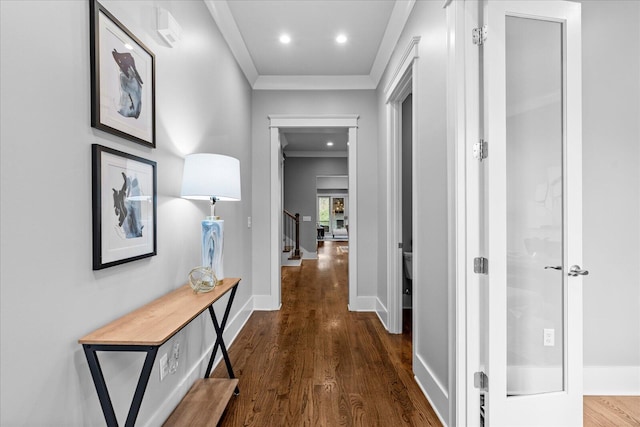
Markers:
point(212, 177)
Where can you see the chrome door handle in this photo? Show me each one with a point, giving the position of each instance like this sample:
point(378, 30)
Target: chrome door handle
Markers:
point(575, 271)
point(554, 267)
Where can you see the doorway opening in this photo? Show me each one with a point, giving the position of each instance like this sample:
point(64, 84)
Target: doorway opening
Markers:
point(333, 213)
point(407, 212)
point(401, 276)
point(284, 124)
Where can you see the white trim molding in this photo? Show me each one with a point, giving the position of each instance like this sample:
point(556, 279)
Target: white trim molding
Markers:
point(410, 53)
point(314, 83)
point(286, 121)
point(402, 84)
point(432, 388)
point(612, 380)
point(229, 29)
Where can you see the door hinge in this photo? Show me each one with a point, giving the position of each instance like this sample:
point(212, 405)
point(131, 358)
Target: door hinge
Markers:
point(480, 265)
point(481, 381)
point(479, 35)
point(480, 150)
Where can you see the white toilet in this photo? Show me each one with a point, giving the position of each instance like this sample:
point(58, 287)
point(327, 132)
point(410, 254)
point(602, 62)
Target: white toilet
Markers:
point(408, 265)
point(408, 279)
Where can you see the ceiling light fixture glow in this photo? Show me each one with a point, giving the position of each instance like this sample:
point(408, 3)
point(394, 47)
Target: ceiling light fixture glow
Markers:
point(285, 39)
point(342, 39)
point(329, 144)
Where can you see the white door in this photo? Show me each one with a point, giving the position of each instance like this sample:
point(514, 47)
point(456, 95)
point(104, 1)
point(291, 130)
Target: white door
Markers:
point(531, 311)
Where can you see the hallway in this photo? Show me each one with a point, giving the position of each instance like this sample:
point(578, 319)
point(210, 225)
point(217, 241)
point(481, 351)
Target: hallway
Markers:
point(315, 363)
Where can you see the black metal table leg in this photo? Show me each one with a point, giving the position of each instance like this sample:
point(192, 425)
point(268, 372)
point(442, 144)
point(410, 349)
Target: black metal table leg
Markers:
point(219, 328)
point(141, 387)
point(101, 386)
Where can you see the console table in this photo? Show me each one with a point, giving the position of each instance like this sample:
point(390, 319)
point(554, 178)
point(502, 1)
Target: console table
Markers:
point(150, 326)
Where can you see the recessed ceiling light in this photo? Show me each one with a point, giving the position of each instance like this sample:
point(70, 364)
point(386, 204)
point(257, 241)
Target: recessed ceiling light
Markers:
point(329, 144)
point(341, 38)
point(285, 39)
point(128, 46)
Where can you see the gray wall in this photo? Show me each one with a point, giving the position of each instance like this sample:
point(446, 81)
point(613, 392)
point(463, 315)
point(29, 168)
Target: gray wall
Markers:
point(50, 297)
point(430, 243)
point(300, 190)
point(611, 188)
point(362, 102)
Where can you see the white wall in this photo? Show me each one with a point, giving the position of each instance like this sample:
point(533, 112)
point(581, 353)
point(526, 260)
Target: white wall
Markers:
point(611, 195)
point(430, 222)
point(317, 103)
point(300, 194)
point(50, 296)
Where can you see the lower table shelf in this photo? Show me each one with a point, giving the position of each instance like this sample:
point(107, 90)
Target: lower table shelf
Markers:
point(204, 404)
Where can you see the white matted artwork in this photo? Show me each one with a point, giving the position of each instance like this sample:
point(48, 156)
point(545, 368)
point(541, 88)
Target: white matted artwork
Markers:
point(124, 207)
point(122, 80)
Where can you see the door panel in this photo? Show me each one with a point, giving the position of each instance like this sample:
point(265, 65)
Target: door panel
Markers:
point(534, 177)
point(532, 213)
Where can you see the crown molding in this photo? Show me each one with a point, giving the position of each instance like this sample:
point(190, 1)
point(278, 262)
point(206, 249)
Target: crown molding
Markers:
point(227, 25)
point(399, 16)
point(314, 83)
point(229, 29)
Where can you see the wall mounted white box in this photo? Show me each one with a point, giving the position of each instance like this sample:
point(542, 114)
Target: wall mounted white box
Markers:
point(168, 27)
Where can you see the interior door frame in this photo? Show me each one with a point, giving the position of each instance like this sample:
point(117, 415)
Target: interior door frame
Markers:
point(466, 15)
point(403, 84)
point(288, 121)
point(462, 133)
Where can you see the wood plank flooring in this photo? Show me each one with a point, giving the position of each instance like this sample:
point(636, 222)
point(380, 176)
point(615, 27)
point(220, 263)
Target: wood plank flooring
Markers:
point(314, 363)
point(609, 411)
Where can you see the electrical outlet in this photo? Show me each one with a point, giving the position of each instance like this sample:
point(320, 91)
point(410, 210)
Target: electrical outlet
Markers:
point(248, 222)
point(549, 337)
point(164, 367)
point(175, 355)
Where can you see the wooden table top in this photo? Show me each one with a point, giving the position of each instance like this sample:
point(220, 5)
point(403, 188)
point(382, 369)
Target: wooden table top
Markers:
point(156, 322)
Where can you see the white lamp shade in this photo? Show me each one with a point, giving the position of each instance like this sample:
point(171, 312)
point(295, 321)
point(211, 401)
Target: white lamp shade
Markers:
point(211, 175)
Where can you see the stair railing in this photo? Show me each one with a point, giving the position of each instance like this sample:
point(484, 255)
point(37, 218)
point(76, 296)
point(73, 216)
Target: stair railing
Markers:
point(291, 228)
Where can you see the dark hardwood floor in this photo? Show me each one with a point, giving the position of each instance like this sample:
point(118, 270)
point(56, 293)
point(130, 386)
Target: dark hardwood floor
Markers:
point(315, 363)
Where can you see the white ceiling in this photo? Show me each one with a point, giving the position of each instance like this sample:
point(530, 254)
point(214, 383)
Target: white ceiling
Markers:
point(313, 59)
point(312, 142)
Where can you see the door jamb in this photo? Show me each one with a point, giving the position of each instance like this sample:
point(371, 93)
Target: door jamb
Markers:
point(283, 121)
point(463, 110)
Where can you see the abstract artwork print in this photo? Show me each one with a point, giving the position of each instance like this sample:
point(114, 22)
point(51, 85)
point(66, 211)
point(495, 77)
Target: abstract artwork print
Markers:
point(130, 85)
point(126, 204)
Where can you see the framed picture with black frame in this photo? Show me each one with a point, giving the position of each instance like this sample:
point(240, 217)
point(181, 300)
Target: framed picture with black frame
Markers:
point(124, 195)
point(122, 80)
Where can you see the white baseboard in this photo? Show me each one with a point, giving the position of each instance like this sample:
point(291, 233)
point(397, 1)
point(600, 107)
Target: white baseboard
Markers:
point(434, 391)
point(383, 313)
point(233, 328)
point(612, 380)
point(363, 304)
point(265, 303)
